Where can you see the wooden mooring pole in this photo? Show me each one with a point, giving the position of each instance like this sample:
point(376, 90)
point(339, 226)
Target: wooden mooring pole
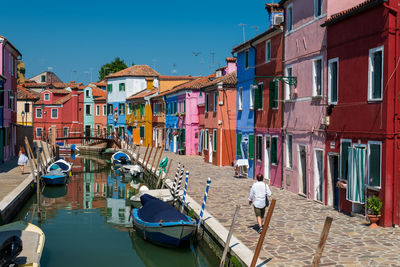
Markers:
point(228, 239)
point(148, 158)
point(159, 159)
point(145, 154)
point(165, 176)
point(322, 241)
point(264, 231)
point(154, 159)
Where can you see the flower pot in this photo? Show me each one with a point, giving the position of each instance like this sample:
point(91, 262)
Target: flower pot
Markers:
point(373, 219)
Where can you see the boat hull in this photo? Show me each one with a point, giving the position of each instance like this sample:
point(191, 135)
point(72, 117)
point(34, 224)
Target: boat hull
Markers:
point(170, 234)
point(54, 179)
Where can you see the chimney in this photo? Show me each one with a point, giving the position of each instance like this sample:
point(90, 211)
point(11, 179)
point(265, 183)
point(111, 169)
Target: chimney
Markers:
point(230, 65)
point(275, 12)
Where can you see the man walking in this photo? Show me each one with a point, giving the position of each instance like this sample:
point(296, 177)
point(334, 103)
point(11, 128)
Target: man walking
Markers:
point(259, 191)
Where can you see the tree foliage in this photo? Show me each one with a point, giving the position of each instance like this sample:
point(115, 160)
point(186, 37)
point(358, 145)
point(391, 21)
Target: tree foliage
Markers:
point(111, 67)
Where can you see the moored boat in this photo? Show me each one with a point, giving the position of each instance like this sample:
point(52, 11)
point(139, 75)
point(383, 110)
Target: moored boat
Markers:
point(120, 158)
point(162, 224)
point(54, 178)
point(28, 238)
point(162, 194)
point(60, 165)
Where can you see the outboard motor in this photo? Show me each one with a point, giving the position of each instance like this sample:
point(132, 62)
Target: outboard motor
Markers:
point(9, 251)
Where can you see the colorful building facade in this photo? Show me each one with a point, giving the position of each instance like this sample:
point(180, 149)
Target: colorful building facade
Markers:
point(25, 100)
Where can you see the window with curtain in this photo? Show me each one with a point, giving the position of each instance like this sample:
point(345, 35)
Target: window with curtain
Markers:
point(344, 159)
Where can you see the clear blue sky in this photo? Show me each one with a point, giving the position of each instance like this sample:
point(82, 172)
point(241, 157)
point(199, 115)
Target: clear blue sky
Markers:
point(77, 37)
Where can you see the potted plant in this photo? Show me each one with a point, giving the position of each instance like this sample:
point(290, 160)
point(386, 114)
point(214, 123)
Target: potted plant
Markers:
point(374, 206)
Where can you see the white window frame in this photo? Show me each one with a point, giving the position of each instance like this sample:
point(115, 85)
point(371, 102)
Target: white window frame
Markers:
point(277, 150)
point(290, 22)
point(315, 8)
point(333, 60)
point(129, 110)
point(252, 96)
point(52, 113)
point(98, 110)
point(370, 72)
point(87, 93)
point(207, 137)
point(46, 96)
point(288, 166)
point(314, 72)
point(262, 95)
point(240, 98)
point(340, 155)
point(322, 173)
point(277, 85)
point(90, 109)
point(267, 59)
point(41, 131)
point(104, 110)
point(214, 138)
point(215, 101)
point(288, 93)
point(41, 113)
point(64, 131)
point(380, 163)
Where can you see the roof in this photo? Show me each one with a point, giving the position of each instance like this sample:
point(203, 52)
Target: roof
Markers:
point(102, 83)
point(142, 94)
point(176, 78)
point(102, 98)
point(352, 11)
point(137, 71)
point(228, 79)
point(273, 6)
point(26, 94)
point(195, 84)
point(32, 84)
point(98, 92)
point(230, 59)
point(248, 43)
point(63, 99)
point(59, 91)
point(11, 45)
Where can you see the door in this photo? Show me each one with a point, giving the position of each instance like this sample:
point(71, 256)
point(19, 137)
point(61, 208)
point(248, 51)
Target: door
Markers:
point(210, 149)
point(333, 174)
point(87, 130)
point(267, 147)
point(318, 174)
point(302, 170)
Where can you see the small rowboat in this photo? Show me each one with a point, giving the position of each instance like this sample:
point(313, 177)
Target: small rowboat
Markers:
point(54, 178)
point(162, 194)
point(60, 165)
point(162, 224)
point(120, 158)
point(21, 243)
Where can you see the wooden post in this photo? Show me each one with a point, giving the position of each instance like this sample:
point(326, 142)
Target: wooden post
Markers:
point(228, 240)
point(39, 156)
point(30, 156)
point(159, 159)
point(53, 138)
point(154, 159)
point(145, 154)
point(264, 231)
point(322, 240)
point(165, 176)
point(44, 154)
point(148, 158)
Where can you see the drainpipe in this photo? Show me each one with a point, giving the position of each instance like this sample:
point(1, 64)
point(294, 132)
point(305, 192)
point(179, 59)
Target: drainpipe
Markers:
point(283, 111)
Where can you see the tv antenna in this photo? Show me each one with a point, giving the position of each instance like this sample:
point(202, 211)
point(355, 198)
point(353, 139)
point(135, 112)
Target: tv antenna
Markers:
point(243, 28)
point(255, 27)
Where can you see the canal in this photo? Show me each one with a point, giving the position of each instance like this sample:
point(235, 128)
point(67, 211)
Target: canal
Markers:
point(87, 223)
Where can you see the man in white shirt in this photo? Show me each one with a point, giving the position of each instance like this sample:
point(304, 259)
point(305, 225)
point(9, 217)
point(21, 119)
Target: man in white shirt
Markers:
point(259, 191)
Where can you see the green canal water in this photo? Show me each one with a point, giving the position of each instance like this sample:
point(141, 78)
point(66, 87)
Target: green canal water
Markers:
point(87, 223)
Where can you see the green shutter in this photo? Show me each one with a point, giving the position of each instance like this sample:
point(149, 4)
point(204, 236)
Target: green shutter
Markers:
point(334, 80)
point(207, 140)
point(109, 87)
point(377, 75)
point(271, 94)
point(274, 150)
point(142, 110)
point(375, 165)
point(259, 148)
point(215, 140)
point(344, 159)
point(238, 142)
point(259, 98)
point(256, 97)
point(251, 146)
point(122, 86)
point(141, 131)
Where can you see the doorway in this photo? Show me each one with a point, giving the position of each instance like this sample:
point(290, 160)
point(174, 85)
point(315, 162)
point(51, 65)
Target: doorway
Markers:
point(267, 148)
point(318, 174)
point(210, 149)
point(333, 174)
point(87, 130)
point(302, 170)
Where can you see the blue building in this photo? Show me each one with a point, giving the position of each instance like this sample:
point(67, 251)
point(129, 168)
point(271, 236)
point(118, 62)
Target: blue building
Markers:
point(171, 122)
point(245, 104)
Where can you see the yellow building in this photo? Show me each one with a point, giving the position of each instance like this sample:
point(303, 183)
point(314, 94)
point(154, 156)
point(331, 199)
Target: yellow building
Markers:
point(25, 100)
point(139, 117)
point(20, 72)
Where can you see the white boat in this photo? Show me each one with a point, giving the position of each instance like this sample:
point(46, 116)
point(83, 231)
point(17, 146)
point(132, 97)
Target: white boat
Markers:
point(162, 194)
point(32, 238)
point(60, 165)
point(120, 158)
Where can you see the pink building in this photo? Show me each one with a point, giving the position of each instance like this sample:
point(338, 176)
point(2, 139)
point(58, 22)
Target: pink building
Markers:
point(9, 55)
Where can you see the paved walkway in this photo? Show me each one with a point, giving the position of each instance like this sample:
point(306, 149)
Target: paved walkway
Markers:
point(296, 224)
point(10, 176)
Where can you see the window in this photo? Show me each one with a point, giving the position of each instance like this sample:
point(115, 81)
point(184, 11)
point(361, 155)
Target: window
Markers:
point(375, 74)
point(289, 18)
point(246, 60)
point(289, 151)
point(344, 155)
point(240, 106)
point(130, 107)
point(104, 110)
point(251, 146)
point(274, 150)
point(110, 109)
point(238, 144)
point(26, 107)
point(215, 140)
point(43, 78)
point(317, 8)
point(374, 163)
point(333, 81)
point(258, 98)
point(46, 97)
point(142, 110)
point(109, 87)
point(39, 113)
point(39, 132)
point(97, 110)
point(288, 87)
point(268, 51)
point(215, 101)
point(54, 113)
point(259, 147)
point(65, 132)
point(317, 76)
point(134, 110)
point(175, 107)
point(207, 102)
point(121, 109)
point(11, 100)
point(141, 131)
point(149, 84)
point(273, 94)
point(252, 95)
point(98, 129)
point(87, 93)
point(122, 86)
point(87, 109)
point(207, 138)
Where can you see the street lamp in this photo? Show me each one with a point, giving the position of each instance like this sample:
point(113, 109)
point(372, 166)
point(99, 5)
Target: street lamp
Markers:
point(23, 116)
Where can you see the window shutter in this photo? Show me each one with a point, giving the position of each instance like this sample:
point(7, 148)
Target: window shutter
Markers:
point(109, 87)
point(374, 165)
point(141, 132)
point(215, 140)
point(376, 91)
point(238, 142)
point(259, 148)
point(344, 159)
point(256, 97)
point(271, 94)
point(334, 85)
point(274, 150)
point(251, 146)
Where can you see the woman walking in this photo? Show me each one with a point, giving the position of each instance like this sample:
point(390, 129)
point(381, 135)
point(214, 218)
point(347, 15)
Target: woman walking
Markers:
point(258, 193)
point(22, 159)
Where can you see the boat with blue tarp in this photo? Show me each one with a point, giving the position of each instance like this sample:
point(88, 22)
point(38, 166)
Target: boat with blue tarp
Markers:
point(55, 177)
point(120, 158)
point(162, 224)
point(60, 165)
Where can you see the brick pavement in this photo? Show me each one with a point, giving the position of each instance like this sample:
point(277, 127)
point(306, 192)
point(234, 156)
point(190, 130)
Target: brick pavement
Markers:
point(10, 176)
point(296, 224)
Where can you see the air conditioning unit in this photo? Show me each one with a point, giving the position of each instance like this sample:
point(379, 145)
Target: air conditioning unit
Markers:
point(278, 19)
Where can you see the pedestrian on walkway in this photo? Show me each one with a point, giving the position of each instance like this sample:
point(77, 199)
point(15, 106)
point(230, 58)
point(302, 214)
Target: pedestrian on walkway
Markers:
point(258, 194)
point(22, 159)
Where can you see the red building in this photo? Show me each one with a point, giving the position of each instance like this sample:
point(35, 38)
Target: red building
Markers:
point(268, 109)
point(61, 108)
point(362, 117)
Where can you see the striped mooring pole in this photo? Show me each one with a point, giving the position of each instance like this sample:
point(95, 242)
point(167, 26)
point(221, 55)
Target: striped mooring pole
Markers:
point(184, 191)
point(175, 179)
point(204, 200)
point(178, 186)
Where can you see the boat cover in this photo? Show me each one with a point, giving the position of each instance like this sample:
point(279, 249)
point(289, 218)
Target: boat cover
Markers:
point(120, 155)
point(59, 164)
point(155, 210)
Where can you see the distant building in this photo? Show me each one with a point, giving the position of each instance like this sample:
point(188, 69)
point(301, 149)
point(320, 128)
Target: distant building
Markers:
point(20, 71)
point(25, 100)
point(93, 110)
point(46, 77)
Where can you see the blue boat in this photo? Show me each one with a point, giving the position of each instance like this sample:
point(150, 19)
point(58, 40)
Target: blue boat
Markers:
point(54, 178)
point(120, 158)
point(60, 165)
point(162, 224)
